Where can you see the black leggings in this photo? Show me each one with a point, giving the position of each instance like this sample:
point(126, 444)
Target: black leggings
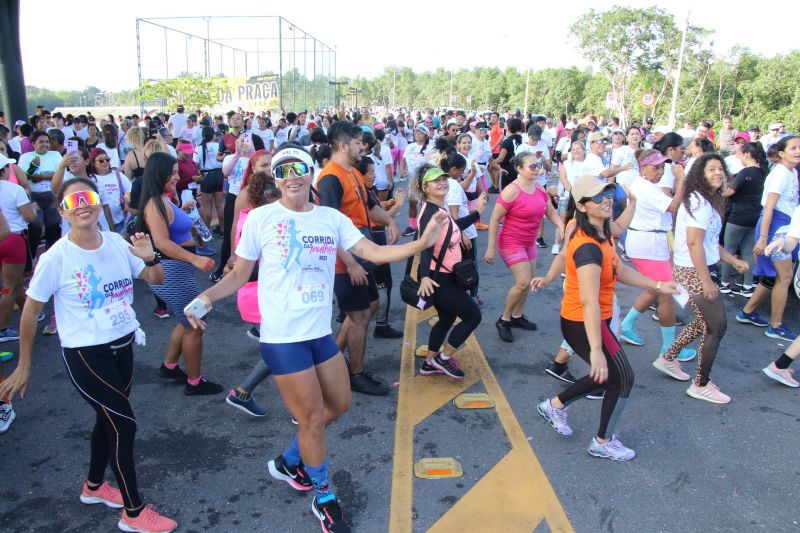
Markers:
point(620, 374)
point(103, 375)
point(227, 225)
point(451, 302)
point(383, 278)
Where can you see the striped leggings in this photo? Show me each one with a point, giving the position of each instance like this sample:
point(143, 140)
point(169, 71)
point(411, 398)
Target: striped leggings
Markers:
point(620, 374)
point(103, 375)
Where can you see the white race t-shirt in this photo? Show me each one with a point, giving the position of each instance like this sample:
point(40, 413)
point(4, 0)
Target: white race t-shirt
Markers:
point(593, 166)
point(48, 163)
point(414, 158)
point(381, 178)
point(281, 136)
point(650, 214)
point(235, 179)
point(93, 289)
point(297, 260)
point(668, 179)
point(733, 164)
point(267, 136)
point(12, 197)
point(622, 156)
point(178, 122)
point(780, 181)
point(457, 196)
point(110, 185)
point(210, 162)
point(704, 217)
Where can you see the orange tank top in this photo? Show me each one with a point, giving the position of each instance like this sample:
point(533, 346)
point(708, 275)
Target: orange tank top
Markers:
point(571, 307)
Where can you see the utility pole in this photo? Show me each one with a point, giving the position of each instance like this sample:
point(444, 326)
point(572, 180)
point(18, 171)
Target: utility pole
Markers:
point(527, 87)
point(450, 102)
point(394, 86)
point(673, 107)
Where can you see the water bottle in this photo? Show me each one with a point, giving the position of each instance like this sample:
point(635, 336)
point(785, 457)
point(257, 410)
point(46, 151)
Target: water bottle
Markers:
point(199, 225)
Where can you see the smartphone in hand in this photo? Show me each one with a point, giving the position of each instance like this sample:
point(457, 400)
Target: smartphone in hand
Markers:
point(198, 308)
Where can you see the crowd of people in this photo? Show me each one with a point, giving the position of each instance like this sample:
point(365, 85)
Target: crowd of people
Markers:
point(312, 198)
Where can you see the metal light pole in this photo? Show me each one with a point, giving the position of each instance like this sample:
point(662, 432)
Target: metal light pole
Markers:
point(527, 89)
point(673, 107)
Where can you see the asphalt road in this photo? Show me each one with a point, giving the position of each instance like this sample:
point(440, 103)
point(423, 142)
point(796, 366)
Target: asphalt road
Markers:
point(699, 467)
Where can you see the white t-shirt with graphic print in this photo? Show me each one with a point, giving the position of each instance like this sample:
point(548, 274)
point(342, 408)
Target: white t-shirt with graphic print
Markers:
point(704, 217)
point(297, 260)
point(93, 289)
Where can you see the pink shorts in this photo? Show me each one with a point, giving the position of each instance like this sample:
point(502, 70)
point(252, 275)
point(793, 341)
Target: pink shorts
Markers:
point(655, 269)
point(13, 250)
point(517, 254)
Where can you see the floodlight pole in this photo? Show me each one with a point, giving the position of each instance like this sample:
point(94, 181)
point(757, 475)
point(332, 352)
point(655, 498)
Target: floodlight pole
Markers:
point(139, 66)
point(673, 108)
point(280, 62)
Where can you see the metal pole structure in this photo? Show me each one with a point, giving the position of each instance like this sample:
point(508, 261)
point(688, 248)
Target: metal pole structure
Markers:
point(233, 53)
point(166, 53)
point(673, 108)
point(206, 48)
point(187, 55)
point(221, 69)
point(139, 67)
point(305, 72)
point(258, 56)
point(314, 97)
point(294, 69)
point(527, 89)
point(12, 79)
point(280, 64)
point(246, 61)
point(394, 86)
point(450, 102)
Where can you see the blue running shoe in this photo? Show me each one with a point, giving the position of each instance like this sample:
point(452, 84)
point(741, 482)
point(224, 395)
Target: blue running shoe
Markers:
point(687, 354)
point(752, 318)
point(9, 334)
point(206, 251)
point(631, 337)
point(781, 332)
point(249, 406)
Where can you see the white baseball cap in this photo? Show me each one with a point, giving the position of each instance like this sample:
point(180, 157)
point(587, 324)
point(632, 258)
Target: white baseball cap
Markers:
point(4, 161)
point(286, 154)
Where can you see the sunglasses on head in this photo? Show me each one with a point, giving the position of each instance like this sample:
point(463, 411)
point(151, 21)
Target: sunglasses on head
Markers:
point(599, 197)
point(298, 168)
point(74, 200)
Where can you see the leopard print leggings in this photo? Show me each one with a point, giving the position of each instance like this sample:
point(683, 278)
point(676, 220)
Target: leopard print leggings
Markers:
point(709, 324)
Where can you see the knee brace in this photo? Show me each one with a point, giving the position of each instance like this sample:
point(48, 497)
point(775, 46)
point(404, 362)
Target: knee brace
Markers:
point(767, 282)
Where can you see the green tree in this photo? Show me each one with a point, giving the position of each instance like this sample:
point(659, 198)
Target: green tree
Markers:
point(190, 91)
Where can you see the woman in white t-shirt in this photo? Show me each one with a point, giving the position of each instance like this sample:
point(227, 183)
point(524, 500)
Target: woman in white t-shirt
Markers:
point(18, 211)
point(623, 159)
point(569, 170)
point(413, 159)
point(110, 145)
point(779, 199)
point(77, 165)
point(647, 246)
point(40, 165)
point(211, 188)
point(295, 244)
point(264, 131)
point(90, 275)
point(697, 247)
point(114, 185)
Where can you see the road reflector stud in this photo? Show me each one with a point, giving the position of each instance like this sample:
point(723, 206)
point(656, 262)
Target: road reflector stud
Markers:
point(422, 351)
point(438, 468)
point(475, 400)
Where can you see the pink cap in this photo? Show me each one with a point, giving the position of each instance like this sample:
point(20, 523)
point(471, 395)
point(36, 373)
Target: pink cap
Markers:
point(742, 135)
point(186, 148)
point(379, 126)
point(653, 159)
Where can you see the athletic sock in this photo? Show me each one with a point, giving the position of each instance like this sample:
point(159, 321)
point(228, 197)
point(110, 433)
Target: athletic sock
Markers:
point(292, 454)
point(629, 322)
point(319, 476)
point(783, 361)
point(667, 337)
point(171, 366)
point(412, 223)
point(443, 357)
point(560, 367)
point(194, 382)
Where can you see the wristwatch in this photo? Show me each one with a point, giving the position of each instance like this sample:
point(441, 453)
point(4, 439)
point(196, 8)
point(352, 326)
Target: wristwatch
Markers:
point(154, 261)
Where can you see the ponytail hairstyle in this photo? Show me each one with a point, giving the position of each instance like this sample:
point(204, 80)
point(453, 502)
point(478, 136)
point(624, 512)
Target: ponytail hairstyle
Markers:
point(261, 189)
point(451, 161)
point(380, 135)
point(669, 140)
point(756, 151)
point(208, 136)
point(705, 145)
point(157, 172)
point(696, 182)
point(425, 146)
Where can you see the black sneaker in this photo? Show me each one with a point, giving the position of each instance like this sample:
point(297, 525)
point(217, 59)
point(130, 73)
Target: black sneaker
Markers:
point(540, 243)
point(215, 276)
point(522, 322)
point(596, 395)
point(493, 190)
point(409, 231)
point(366, 383)
point(387, 332)
point(204, 388)
point(504, 329)
point(254, 333)
point(565, 375)
point(724, 288)
point(741, 290)
point(296, 477)
point(330, 516)
point(175, 373)
point(428, 369)
point(448, 366)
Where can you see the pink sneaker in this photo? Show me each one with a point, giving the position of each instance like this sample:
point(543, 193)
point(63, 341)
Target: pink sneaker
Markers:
point(105, 494)
point(709, 393)
point(781, 375)
point(148, 521)
point(671, 368)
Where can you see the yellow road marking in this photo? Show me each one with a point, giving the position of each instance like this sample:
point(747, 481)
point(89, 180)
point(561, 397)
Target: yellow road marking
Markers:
point(492, 503)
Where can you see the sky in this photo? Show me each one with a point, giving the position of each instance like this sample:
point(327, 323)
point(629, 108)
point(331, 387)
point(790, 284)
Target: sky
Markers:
point(422, 34)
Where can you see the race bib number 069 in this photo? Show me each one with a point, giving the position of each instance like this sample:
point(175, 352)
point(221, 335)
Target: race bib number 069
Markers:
point(308, 296)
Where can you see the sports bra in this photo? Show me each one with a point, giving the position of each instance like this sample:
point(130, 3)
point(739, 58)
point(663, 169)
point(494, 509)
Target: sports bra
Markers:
point(180, 230)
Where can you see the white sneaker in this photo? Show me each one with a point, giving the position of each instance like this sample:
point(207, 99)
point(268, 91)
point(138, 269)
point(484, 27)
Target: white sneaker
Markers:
point(781, 375)
point(613, 449)
point(7, 415)
point(671, 368)
point(556, 417)
point(555, 249)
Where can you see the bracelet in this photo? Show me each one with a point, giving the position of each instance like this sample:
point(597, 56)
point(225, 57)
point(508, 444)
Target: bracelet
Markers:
point(658, 287)
point(762, 237)
point(154, 261)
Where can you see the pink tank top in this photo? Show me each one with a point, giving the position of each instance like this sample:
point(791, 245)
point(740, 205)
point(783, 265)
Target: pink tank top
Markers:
point(522, 219)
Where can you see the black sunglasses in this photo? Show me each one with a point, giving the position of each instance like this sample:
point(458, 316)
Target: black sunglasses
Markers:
point(599, 197)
